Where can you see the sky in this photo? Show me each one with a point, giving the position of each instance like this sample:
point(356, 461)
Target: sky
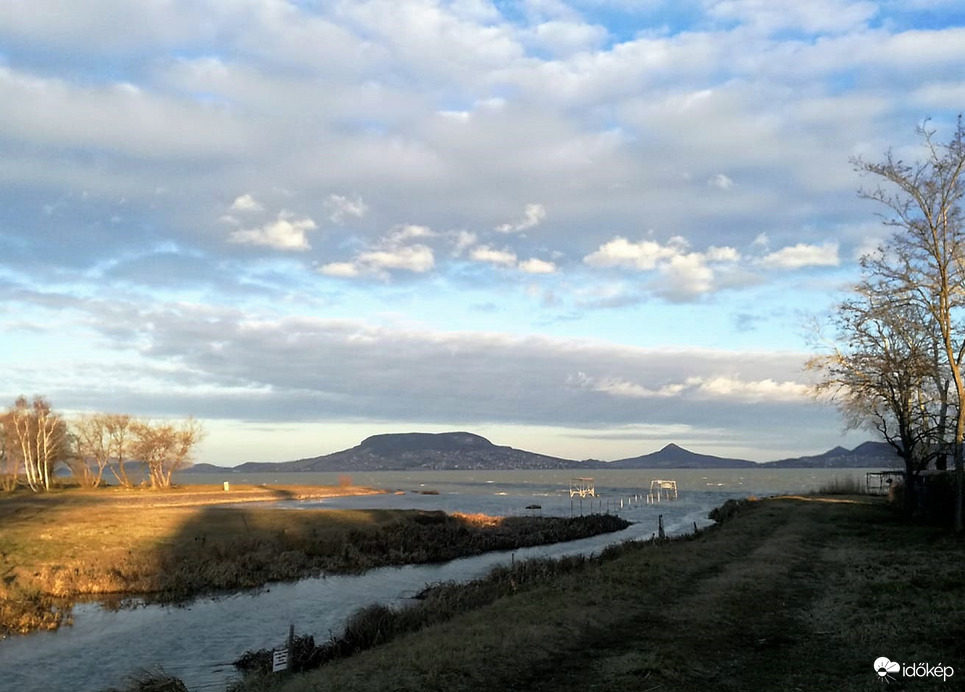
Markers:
point(585, 228)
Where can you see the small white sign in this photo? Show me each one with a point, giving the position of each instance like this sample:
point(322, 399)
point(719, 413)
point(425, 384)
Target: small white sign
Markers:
point(279, 660)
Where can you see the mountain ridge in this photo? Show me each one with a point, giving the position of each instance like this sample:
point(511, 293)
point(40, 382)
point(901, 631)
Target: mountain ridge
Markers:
point(462, 450)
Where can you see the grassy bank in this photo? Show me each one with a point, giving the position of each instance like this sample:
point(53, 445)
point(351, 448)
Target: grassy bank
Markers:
point(171, 546)
point(792, 594)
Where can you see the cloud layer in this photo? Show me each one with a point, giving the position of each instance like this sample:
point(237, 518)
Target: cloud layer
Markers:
point(558, 213)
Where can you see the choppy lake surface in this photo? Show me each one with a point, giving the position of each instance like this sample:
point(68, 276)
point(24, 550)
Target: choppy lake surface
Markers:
point(197, 641)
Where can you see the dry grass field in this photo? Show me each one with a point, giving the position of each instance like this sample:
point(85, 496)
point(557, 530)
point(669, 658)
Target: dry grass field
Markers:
point(173, 545)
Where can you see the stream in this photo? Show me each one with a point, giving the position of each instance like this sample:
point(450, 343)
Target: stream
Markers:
point(198, 640)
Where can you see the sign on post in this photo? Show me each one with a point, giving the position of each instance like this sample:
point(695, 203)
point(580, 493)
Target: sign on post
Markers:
point(279, 660)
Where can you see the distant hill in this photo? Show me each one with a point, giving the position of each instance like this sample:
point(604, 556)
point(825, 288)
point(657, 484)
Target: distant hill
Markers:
point(423, 451)
point(467, 451)
point(675, 457)
point(205, 468)
point(865, 455)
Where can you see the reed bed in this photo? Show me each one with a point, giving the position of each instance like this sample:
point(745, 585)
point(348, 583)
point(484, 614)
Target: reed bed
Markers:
point(843, 485)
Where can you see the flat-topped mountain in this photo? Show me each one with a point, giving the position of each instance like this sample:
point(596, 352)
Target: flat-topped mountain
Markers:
point(675, 457)
point(422, 451)
point(400, 443)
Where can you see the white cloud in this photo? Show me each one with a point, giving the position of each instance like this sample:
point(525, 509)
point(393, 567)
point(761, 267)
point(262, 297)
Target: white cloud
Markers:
point(751, 390)
point(341, 270)
point(704, 388)
point(392, 252)
point(413, 258)
point(462, 240)
point(537, 266)
point(507, 258)
point(816, 16)
point(682, 274)
point(722, 254)
point(566, 37)
point(685, 276)
point(116, 117)
point(802, 255)
point(484, 253)
point(620, 252)
point(340, 208)
point(404, 233)
point(615, 386)
point(721, 182)
point(533, 214)
point(245, 203)
point(284, 233)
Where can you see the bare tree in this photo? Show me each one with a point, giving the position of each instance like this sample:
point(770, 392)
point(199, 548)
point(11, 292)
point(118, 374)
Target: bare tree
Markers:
point(41, 438)
point(165, 447)
point(102, 441)
point(927, 252)
point(9, 456)
point(882, 371)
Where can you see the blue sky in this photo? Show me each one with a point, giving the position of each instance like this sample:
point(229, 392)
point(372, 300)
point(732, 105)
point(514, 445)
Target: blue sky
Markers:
point(586, 228)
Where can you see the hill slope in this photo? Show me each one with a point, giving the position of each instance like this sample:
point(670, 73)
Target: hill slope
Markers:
point(865, 455)
point(675, 457)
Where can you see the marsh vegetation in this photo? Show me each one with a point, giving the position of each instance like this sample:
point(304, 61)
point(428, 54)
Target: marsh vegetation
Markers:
point(175, 545)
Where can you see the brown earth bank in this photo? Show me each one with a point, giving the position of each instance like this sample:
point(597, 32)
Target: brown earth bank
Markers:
point(793, 593)
point(173, 545)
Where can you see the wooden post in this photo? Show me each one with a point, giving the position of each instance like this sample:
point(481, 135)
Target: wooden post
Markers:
point(660, 531)
point(291, 643)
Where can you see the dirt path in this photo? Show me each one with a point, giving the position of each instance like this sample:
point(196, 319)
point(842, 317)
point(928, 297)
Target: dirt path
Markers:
point(784, 605)
point(709, 627)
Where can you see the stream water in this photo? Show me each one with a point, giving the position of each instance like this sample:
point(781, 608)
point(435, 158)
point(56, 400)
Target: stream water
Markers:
point(197, 641)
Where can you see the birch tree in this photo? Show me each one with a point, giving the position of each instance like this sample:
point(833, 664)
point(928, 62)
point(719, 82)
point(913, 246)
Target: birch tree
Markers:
point(9, 458)
point(41, 438)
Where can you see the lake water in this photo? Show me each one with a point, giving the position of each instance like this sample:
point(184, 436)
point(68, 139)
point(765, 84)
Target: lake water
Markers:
point(197, 641)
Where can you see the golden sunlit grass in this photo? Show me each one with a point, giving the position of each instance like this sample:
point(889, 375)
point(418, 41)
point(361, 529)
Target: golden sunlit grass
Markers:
point(478, 519)
point(179, 544)
point(794, 593)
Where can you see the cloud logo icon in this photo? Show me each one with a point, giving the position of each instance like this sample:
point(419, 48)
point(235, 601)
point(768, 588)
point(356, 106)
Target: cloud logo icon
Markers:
point(883, 666)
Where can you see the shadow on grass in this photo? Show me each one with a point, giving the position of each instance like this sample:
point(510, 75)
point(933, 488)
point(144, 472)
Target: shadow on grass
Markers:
point(171, 553)
point(229, 548)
